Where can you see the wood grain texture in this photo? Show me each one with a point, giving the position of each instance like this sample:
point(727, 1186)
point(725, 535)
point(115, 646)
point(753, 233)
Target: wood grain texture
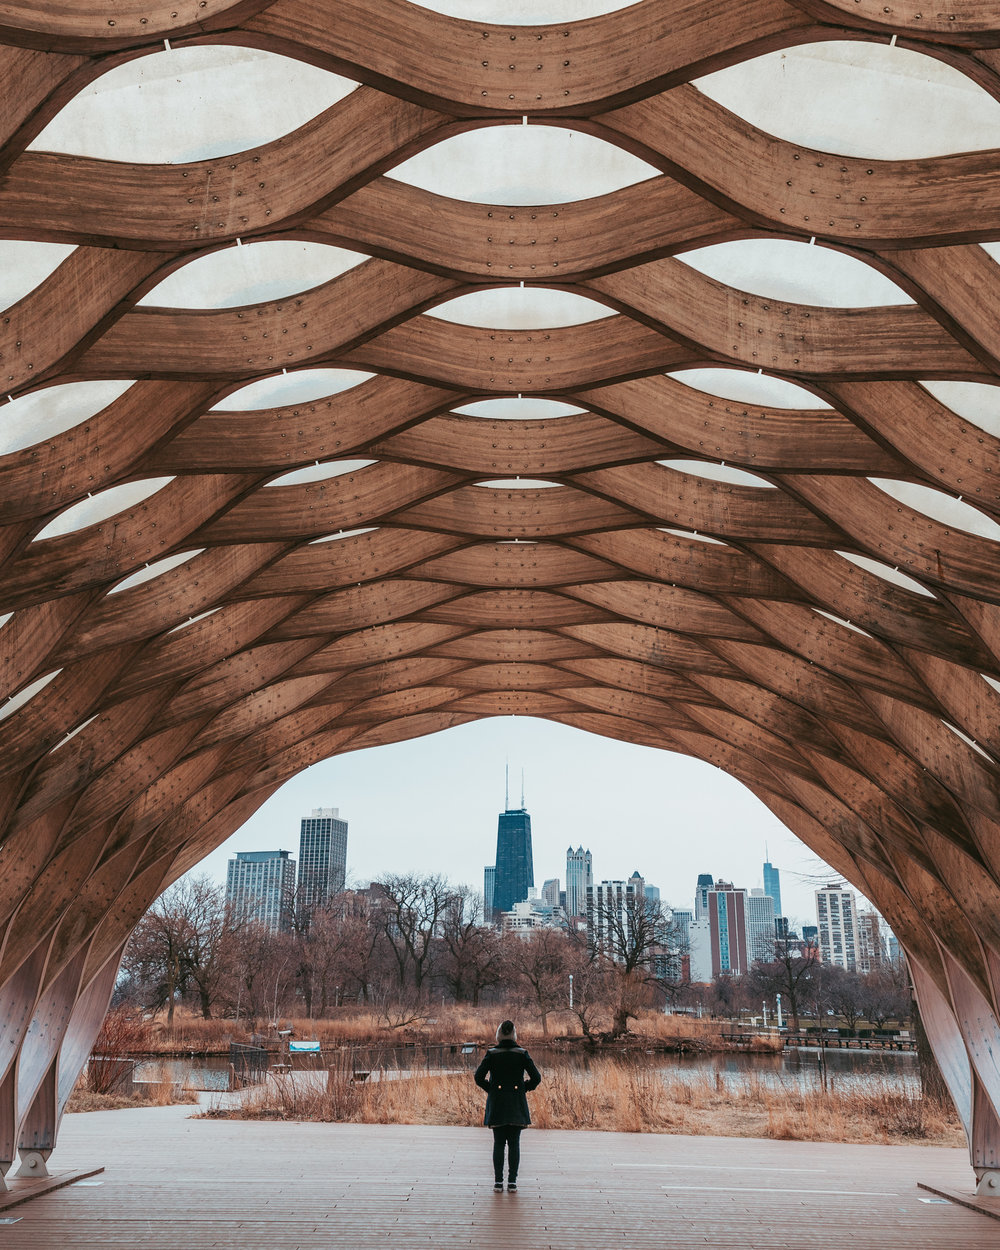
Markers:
point(668, 606)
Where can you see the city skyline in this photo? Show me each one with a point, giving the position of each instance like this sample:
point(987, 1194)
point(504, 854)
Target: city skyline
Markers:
point(671, 816)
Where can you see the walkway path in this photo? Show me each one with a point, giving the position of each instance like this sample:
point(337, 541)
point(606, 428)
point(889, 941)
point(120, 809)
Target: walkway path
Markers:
point(173, 1183)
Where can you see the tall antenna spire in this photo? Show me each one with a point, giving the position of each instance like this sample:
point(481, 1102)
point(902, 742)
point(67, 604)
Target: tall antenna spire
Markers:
point(506, 786)
point(522, 789)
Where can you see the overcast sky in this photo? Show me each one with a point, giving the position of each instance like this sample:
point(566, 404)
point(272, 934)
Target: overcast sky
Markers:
point(430, 805)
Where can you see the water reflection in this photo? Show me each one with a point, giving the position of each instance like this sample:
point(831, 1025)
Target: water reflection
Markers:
point(846, 1070)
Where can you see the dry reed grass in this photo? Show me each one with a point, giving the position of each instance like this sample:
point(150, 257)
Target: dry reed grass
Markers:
point(433, 1025)
point(624, 1098)
point(163, 1092)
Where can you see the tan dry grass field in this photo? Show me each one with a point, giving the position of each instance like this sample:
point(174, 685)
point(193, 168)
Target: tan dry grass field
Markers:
point(622, 1097)
point(358, 1026)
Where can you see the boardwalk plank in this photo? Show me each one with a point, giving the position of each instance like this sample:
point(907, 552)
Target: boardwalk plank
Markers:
point(172, 1182)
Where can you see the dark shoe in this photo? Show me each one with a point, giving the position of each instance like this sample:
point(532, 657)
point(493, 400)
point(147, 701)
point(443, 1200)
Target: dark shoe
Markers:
point(498, 1187)
point(512, 1187)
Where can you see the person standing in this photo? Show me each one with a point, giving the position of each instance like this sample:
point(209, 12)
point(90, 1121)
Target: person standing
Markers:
point(507, 1073)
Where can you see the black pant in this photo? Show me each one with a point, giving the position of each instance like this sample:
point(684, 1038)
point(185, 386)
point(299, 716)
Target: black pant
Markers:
point(508, 1135)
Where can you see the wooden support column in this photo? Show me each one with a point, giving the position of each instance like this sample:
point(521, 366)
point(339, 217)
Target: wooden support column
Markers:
point(981, 1033)
point(84, 1026)
point(17, 1002)
point(37, 1103)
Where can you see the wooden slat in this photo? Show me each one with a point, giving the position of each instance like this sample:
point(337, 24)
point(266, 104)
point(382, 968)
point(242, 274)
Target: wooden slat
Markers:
point(171, 1181)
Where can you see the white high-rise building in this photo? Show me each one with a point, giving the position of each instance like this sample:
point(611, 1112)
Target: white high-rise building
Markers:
point(760, 926)
point(700, 950)
point(836, 919)
point(579, 876)
point(705, 883)
point(872, 950)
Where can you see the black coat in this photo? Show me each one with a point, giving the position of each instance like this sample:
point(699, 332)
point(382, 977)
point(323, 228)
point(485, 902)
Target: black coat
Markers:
point(505, 1065)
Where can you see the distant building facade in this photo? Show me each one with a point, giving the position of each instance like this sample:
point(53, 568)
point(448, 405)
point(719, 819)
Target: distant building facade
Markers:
point(836, 920)
point(322, 858)
point(551, 892)
point(579, 876)
point(515, 875)
point(489, 883)
point(530, 914)
point(260, 888)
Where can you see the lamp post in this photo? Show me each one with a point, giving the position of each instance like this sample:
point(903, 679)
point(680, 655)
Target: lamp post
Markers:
point(781, 1021)
point(571, 991)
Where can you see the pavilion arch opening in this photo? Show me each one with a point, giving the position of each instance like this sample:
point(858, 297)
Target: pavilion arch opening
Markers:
point(831, 639)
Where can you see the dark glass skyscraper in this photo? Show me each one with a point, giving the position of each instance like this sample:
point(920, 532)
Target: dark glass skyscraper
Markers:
point(514, 871)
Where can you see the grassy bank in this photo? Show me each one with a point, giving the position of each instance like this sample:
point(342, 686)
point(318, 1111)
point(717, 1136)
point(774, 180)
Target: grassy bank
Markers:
point(621, 1097)
point(162, 1093)
point(355, 1026)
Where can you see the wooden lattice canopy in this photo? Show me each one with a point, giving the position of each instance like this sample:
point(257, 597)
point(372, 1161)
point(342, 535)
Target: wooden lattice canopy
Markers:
point(834, 644)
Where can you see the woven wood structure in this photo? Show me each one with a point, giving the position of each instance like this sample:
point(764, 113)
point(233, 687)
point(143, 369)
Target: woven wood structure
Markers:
point(834, 645)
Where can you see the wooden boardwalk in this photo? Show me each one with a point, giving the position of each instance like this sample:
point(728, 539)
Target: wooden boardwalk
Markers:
point(181, 1184)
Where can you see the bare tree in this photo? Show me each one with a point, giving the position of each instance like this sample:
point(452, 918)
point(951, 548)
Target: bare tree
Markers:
point(592, 983)
point(412, 911)
point(538, 963)
point(262, 969)
point(209, 929)
point(472, 958)
point(366, 950)
point(792, 974)
point(643, 948)
point(179, 945)
point(887, 994)
point(323, 954)
point(847, 995)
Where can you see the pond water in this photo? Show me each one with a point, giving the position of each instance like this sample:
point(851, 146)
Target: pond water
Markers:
point(845, 1069)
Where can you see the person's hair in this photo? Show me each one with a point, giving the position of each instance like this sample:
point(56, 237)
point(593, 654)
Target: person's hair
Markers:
point(506, 1031)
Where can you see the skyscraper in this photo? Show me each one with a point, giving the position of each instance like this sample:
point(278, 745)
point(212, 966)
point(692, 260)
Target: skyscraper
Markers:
point(551, 892)
point(836, 919)
point(727, 917)
point(514, 870)
point(682, 920)
point(322, 858)
point(489, 881)
point(772, 885)
point(705, 881)
point(579, 874)
point(260, 887)
point(760, 926)
point(872, 950)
